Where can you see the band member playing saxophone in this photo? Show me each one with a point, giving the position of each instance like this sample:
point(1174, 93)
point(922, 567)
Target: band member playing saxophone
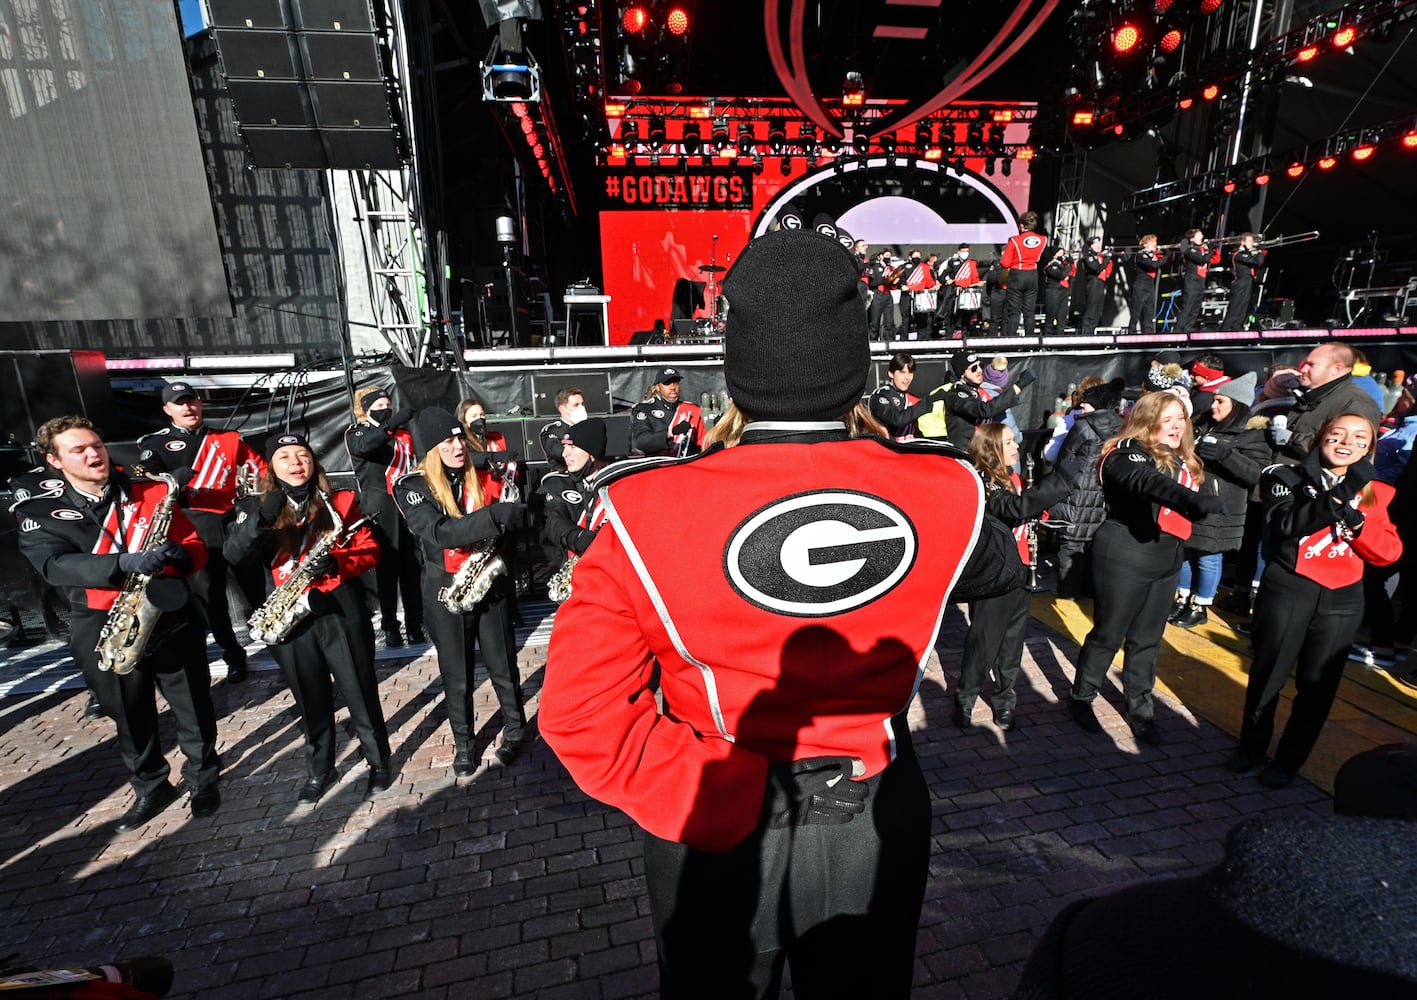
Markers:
point(313, 544)
point(572, 515)
point(90, 537)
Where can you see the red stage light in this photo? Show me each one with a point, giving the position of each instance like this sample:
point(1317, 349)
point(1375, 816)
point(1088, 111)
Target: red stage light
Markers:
point(1327, 162)
point(617, 150)
point(1295, 170)
point(700, 111)
point(1186, 102)
point(1125, 38)
point(1228, 187)
point(1082, 117)
point(1003, 115)
point(1409, 141)
point(1344, 37)
point(1171, 41)
point(1025, 153)
point(677, 21)
point(614, 110)
point(1211, 93)
point(853, 99)
point(1117, 129)
point(1210, 6)
point(1261, 179)
point(934, 153)
point(635, 20)
point(1361, 153)
point(1160, 6)
point(1306, 53)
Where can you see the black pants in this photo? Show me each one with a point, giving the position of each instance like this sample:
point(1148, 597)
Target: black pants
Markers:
point(175, 663)
point(880, 316)
point(946, 297)
point(1055, 308)
point(1094, 298)
point(397, 573)
point(454, 636)
point(1021, 303)
point(1192, 291)
point(1135, 584)
point(209, 585)
point(1302, 628)
point(1237, 313)
point(1143, 304)
point(994, 650)
point(1074, 567)
point(841, 903)
point(338, 645)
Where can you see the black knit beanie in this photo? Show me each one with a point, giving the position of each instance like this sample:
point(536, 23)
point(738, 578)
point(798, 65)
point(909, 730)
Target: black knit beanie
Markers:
point(433, 426)
point(795, 346)
point(1107, 396)
point(276, 442)
point(589, 436)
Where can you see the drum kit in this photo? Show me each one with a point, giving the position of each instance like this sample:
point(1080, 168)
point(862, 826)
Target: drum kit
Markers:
point(715, 304)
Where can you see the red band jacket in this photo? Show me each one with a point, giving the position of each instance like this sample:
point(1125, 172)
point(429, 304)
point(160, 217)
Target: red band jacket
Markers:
point(355, 555)
point(215, 458)
point(793, 620)
point(1021, 252)
point(75, 544)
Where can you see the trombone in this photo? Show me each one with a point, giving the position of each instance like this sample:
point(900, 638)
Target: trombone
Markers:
point(1278, 241)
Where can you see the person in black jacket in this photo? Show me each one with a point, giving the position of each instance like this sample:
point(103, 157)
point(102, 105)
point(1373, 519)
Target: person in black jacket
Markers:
point(1149, 475)
point(571, 494)
point(1246, 262)
point(894, 405)
point(1234, 454)
point(1080, 515)
point(1057, 275)
point(1147, 268)
point(1195, 259)
point(994, 646)
point(966, 407)
point(1097, 271)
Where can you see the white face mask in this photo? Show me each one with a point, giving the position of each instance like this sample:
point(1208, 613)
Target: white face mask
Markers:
point(576, 415)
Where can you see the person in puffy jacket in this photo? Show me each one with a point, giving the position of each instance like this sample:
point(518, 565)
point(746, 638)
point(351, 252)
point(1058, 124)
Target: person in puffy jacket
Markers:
point(1079, 516)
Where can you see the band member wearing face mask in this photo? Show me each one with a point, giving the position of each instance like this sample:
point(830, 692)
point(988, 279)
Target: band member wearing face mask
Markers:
point(570, 405)
point(86, 536)
point(1245, 262)
point(1323, 520)
point(1195, 258)
point(207, 462)
point(277, 528)
point(497, 467)
point(994, 648)
point(381, 450)
point(448, 513)
point(1149, 476)
point(664, 425)
point(892, 403)
point(966, 407)
point(1147, 267)
point(570, 495)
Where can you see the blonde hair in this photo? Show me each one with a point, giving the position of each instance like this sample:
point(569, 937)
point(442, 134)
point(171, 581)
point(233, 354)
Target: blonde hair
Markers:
point(360, 413)
point(1143, 424)
point(436, 475)
point(729, 429)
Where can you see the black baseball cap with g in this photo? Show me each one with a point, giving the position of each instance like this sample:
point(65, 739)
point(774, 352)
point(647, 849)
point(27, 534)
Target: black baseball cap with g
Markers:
point(667, 375)
point(174, 391)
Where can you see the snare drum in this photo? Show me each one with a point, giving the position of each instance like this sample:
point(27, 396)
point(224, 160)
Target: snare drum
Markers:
point(924, 301)
point(970, 298)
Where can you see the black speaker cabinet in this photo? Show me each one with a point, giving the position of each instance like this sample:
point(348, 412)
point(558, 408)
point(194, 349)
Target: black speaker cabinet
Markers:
point(594, 386)
point(351, 105)
point(38, 385)
point(333, 15)
point(273, 102)
point(340, 56)
point(246, 14)
point(257, 54)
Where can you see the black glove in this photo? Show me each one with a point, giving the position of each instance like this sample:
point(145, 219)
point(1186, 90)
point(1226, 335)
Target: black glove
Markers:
point(1212, 449)
point(582, 540)
point(146, 563)
point(817, 790)
point(1359, 474)
point(324, 566)
point(173, 554)
point(1207, 503)
point(921, 408)
point(272, 503)
point(1025, 380)
point(1352, 516)
point(682, 427)
point(399, 417)
point(183, 476)
point(508, 515)
point(509, 456)
point(480, 460)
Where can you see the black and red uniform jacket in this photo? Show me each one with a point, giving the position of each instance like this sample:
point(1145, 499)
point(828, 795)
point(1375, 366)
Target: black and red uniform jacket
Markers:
point(1249, 260)
point(789, 614)
point(651, 421)
point(1097, 265)
point(894, 408)
point(1148, 262)
point(1143, 496)
point(1017, 506)
point(1059, 271)
point(1324, 535)
point(215, 458)
point(380, 455)
point(1196, 259)
point(249, 538)
point(445, 541)
point(570, 508)
point(1023, 251)
point(75, 544)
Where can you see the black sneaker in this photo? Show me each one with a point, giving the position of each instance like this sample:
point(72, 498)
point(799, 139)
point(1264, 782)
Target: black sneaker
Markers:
point(1242, 761)
point(1192, 616)
point(1178, 608)
point(235, 666)
point(393, 637)
point(1084, 716)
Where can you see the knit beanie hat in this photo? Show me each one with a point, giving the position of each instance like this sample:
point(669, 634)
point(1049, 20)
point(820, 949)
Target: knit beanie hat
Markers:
point(433, 426)
point(1107, 396)
point(369, 397)
point(1164, 377)
point(276, 442)
point(809, 362)
point(962, 361)
point(1281, 384)
point(1241, 389)
point(997, 372)
point(588, 435)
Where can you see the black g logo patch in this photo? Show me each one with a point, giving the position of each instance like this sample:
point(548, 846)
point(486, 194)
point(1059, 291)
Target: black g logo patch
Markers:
point(820, 553)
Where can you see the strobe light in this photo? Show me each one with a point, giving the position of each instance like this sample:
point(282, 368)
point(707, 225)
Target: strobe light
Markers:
point(1125, 38)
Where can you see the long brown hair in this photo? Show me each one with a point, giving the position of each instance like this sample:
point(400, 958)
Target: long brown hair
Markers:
point(1143, 424)
point(1368, 497)
point(729, 427)
point(436, 475)
point(474, 443)
point(287, 531)
point(987, 450)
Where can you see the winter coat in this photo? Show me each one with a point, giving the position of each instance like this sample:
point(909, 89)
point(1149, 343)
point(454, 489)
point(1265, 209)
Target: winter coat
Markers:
point(1083, 512)
point(1231, 473)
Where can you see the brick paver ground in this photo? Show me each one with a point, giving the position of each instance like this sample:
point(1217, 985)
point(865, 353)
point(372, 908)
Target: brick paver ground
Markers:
point(514, 884)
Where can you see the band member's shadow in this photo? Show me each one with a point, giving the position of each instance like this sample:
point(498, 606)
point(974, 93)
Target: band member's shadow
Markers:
point(804, 888)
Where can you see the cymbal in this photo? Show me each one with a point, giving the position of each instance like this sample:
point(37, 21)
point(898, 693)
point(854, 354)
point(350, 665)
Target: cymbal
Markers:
point(712, 268)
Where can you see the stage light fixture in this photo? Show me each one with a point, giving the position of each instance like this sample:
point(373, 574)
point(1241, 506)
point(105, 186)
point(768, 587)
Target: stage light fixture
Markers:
point(1327, 162)
point(614, 109)
point(746, 145)
point(1026, 153)
point(1125, 38)
point(1363, 152)
point(617, 149)
point(1160, 6)
point(1006, 166)
point(807, 138)
point(1409, 141)
point(1295, 170)
point(1344, 37)
point(832, 147)
point(1210, 6)
point(888, 145)
point(853, 90)
point(1002, 115)
point(1186, 102)
point(630, 135)
point(1262, 178)
point(989, 166)
point(922, 136)
point(1211, 92)
point(656, 134)
point(1171, 41)
point(777, 138)
point(1082, 117)
point(1306, 53)
point(934, 153)
point(784, 166)
point(1118, 129)
point(720, 137)
point(700, 111)
point(860, 143)
point(692, 140)
point(635, 19)
point(677, 21)
point(1228, 187)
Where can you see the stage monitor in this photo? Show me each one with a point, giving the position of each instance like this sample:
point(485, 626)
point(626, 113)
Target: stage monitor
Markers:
point(595, 386)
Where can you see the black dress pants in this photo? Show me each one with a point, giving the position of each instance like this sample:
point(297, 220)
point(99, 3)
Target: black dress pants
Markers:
point(1143, 305)
point(841, 903)
point(397, 573)
point(174, 663)
point(1135, 583)
point(1021, 303)
point(1302, 628)
point(880, 316)
point(994, 650)
point(208, 584)
point(455, 637)
point(1237, 312)
point(1094, 297)
point(325, 650)
point(1055, 309)
point(1192, 291)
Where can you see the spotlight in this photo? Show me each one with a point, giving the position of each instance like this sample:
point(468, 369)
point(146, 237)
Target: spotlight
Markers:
point(1211, 92)
point(1026, 153)
point(1125, 38)
point(1363, 152)
point(677, 21)
point(1006, 165)
point(807, 138)
point(720, 137)
point(853, 90)
point(1262, 178)
point(746, 145)
point(1210, 6)
point(888, 145)
point(860, 143)
point(1409, 140)
point(655, 136)
point(785, 166)
point(1295, 170)
point(934, 153)
point(777, 138)
point(630, 135)
point(989, 166)
point(1344, 37)
point(1306, 53)
point(692, 140)
point(1082, 117)
point(1160, 6)
point(614, 109)
point(1171, 41)
point(922, 136)
point(1327, 162)
point(635, 19)
point(1228, 187)
point(1185, 103)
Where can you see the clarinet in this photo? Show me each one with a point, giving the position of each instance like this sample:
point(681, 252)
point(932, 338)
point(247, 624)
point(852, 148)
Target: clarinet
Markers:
point(1030, 528)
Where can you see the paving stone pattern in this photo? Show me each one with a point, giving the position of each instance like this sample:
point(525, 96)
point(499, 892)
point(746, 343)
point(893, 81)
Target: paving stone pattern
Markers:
point(514, 884)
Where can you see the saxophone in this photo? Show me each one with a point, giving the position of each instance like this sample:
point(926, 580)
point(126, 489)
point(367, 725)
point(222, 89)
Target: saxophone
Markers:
point(474, 578)
point(130, 622)
point(558, 588)
point(289, 604)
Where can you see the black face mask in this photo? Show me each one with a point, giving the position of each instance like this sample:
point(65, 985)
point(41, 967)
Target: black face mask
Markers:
point(299, 494)
point(478, 427)
point(382, 415)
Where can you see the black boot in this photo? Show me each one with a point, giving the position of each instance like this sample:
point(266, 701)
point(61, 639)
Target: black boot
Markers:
point(1192, 616)
point(463, 764)
point(1178, 608)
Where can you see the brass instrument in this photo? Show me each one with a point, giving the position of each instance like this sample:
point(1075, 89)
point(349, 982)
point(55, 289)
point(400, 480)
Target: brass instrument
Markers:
point(511, 492)
point(558, 588)
point(126, 632)
point(289, 604)
point(1030, 529)
point(246, 481)
point(474, 578)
